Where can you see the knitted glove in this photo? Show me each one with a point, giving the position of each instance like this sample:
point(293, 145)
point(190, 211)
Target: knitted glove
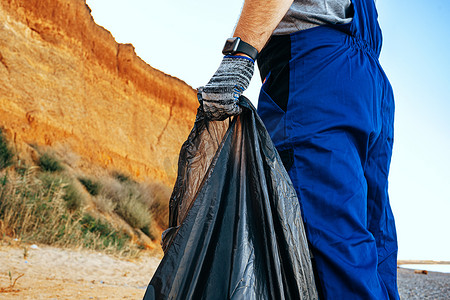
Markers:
point(220, 96)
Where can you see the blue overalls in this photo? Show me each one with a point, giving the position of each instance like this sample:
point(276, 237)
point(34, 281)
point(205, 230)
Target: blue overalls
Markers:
point(334, 133)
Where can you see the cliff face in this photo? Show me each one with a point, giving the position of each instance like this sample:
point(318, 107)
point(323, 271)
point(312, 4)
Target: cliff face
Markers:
point(65, 80)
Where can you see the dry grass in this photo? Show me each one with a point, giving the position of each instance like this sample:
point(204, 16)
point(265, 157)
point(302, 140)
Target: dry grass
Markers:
point(73, 196)
point(134, 212)
point(92, 186)
point(104, 204)
point(47, 204)
point(125, 196)
point(48, 162)
point(36, 210)
point(6, 152)
point(12, 283)
point(143, 206)
point(156, 197)
point(32, 210)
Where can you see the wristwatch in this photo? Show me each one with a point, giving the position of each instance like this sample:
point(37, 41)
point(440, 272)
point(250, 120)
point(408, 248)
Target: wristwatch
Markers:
point(236, 45)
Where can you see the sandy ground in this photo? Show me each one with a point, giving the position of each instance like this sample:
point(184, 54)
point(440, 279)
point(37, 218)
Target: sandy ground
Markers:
point(53, 273)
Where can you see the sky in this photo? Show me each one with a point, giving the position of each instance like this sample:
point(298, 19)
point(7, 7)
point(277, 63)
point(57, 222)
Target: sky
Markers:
point(185, 39)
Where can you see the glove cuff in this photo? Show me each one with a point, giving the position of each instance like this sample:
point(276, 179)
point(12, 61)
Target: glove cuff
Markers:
point(235, 72)
point(240, 56)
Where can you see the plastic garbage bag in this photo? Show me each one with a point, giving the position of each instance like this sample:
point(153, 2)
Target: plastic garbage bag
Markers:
point(236, 230)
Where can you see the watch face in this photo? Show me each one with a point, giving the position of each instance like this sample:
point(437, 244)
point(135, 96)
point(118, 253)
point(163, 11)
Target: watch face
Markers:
point(231, 45)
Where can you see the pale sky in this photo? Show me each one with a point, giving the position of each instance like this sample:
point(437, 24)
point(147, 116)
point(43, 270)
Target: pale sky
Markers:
point(185, 38)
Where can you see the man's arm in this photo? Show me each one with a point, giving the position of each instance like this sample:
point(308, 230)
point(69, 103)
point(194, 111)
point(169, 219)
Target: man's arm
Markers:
point(259, 19)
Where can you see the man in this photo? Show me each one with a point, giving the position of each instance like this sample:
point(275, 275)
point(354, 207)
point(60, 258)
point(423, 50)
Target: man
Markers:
point(329, 109)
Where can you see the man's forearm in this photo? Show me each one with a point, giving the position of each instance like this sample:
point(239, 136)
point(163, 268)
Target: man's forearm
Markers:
point(220, 96)
point(259, 19)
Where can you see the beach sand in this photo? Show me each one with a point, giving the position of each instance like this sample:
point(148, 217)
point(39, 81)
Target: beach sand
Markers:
point(54, 273)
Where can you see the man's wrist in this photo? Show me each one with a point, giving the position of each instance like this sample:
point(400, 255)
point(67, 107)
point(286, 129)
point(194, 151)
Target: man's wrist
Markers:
point(242, 54)
point(236, 45)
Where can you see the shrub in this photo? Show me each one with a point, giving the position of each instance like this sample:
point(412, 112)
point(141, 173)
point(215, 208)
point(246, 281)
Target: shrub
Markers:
point(108, 235)
point(51, 181)
point(49, 163)
point(21, 167)
point(6, 153)
point(72, 196)
point(150, 232)
point(121, 176)
point(104, 204)
point(156, 198)
point(129, 200)
point(112, 189)
point(70, 193)
point(133, 212)
point(93, 187)
point(36, 211)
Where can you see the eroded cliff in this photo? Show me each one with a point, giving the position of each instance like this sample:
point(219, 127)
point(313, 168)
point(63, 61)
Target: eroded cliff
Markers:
point(65, 81)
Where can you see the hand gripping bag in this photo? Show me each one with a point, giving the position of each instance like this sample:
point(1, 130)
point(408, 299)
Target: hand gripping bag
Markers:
point(235, 226)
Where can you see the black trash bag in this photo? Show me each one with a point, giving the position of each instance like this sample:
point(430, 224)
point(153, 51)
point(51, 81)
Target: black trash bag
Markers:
point(236, 230)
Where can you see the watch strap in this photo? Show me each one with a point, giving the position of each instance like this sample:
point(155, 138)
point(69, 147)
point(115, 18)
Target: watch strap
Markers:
point(236, 45)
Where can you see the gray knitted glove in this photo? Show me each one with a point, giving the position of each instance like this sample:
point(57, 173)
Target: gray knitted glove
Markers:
point(221, 95)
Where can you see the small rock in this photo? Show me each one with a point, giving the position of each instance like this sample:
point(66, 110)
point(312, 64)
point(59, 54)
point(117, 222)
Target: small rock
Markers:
point(34, 247)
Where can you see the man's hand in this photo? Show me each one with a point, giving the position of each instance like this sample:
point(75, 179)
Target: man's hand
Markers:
point(258, 20)
point(220, 96)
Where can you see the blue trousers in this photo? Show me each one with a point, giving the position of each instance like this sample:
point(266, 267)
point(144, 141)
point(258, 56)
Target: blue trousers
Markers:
point(333, 127)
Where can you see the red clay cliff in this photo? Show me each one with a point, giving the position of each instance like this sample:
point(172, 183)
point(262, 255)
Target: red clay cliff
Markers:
point(65, 81)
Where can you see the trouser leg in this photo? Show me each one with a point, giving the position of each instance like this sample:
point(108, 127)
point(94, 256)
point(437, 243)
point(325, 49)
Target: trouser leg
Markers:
point(331, 124)
point(380, 219)
point(332, 191)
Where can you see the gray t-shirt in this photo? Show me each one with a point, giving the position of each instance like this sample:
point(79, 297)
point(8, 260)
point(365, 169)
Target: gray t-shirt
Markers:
point(304, 14)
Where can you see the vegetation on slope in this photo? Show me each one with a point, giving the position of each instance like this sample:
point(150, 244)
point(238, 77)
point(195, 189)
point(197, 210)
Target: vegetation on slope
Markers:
point(50, 204)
